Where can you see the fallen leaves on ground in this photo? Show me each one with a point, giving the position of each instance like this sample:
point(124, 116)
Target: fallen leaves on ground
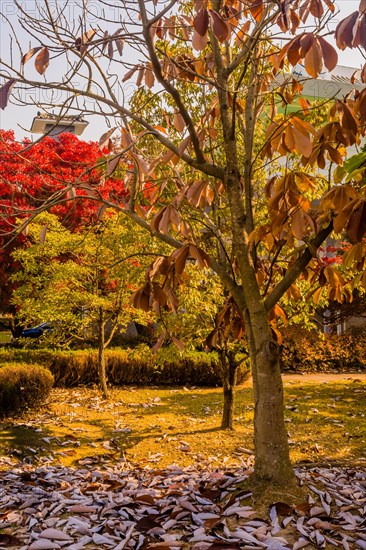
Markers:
point(147, 426)
point(103, 506)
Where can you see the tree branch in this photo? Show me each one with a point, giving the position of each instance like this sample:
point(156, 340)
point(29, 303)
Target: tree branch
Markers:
point(167, 85)
point(294, 272)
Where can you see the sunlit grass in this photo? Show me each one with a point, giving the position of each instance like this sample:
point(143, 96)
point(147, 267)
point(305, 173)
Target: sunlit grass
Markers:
point(157, 427)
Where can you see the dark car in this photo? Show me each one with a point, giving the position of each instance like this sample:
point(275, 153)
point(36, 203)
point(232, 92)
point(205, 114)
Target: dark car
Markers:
point(36, 332)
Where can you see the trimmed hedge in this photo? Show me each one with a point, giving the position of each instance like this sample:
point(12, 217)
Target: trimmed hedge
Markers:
point(311, 351)
point(127, 367)
point(23, 387)
point(302, 351)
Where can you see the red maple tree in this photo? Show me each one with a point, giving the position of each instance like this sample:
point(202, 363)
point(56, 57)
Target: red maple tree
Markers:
point(32, 174)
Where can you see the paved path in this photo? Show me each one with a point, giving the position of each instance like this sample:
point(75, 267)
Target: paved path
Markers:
point(321, 377)
point(316, 378)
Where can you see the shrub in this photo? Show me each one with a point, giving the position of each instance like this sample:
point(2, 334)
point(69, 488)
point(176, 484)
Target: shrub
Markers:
point(139, 366)
point(23, 386)
point(311, 351)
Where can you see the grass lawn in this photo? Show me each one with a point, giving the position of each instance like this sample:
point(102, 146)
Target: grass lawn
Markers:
point(156, 427)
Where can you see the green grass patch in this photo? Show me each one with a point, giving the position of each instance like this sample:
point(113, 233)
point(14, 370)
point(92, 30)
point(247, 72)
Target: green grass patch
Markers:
point(156, 427)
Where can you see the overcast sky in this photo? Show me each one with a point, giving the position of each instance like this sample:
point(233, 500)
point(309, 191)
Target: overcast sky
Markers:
point(20, 118)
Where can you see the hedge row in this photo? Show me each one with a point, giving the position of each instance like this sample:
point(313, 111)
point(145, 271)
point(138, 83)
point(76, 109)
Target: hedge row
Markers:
point(302, 351)
point(310, 351)
point(126, 367)
point(23, 387)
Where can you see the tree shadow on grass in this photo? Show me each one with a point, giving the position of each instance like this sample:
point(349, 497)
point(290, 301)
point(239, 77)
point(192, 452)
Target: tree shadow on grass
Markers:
point(326, 420)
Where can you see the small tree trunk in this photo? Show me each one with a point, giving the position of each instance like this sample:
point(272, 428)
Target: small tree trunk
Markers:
point(101, 356)
point(272, 461)
point(16, 328)
point(228, 376)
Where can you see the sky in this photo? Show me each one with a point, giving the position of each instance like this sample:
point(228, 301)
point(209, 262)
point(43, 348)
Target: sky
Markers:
point(20, 118)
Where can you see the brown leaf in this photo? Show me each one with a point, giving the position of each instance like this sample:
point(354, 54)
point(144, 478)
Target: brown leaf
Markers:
point(305, 105)
point(141, 298)
point(173, 300)
point(104, 139)
point(159, 295)
point(119, 44)
point(292, 50)
point(165, 219)
point(257, 9)
point(101, 211)
point(110, 49)
point(200, 255)
point(178, 121)
point(140, 76)
point(42, 61)
point(42, 235)
point(30, 54)
point(126, 138)
point(242, 33)
point(146, 498)
point(81, 42)
point(159, 267)
point(330, 5)
point(149, 78)
point(130, 73)
point(159, 342)
point(279, 312)
point(314, 60)
point(316, 8)
point(356, 227)
point(303, 508)
point(194, 193)
point(199, 42)
point(178, 343)
point(5, 93)
point(303, 144)
point(113, 164)
point(334, 155)
point(283, 509)
point(330, 55)
point(344, 31)
point(298, 225)
point(346, 117)
point(219, 26)
point(183, 146)
point(201, 21)
point(180, 257)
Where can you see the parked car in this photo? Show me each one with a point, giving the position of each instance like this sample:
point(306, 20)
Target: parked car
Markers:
point(36, 332)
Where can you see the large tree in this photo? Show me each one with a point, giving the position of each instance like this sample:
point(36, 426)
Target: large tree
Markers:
point(220, 107)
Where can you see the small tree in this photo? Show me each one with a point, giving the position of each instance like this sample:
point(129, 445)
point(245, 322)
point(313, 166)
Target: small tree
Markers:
point(80, 282)
point(201, 308)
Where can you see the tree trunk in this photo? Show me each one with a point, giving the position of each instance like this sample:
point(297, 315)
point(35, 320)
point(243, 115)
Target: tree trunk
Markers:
point(228, 376)
point(101, 356)
point(272, 461)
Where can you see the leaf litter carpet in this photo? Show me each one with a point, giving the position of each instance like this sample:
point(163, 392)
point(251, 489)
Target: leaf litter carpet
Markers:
point(116, 507)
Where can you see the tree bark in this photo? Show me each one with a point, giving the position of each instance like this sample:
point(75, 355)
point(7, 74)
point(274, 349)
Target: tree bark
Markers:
point(101, 355)
point(228, 376)
point(272, 460)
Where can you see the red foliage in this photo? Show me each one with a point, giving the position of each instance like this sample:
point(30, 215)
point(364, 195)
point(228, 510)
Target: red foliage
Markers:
point(32, 174)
